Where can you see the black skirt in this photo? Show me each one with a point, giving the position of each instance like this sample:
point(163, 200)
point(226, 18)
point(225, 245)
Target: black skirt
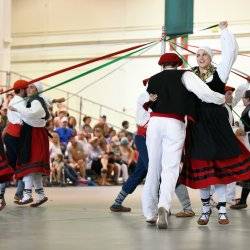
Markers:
point(211, 137)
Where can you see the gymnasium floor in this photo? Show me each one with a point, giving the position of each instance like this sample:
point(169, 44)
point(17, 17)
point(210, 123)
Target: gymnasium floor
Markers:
point(79, 218)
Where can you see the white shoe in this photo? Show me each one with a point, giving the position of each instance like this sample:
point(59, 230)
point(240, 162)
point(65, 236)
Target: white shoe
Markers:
point(213, 203)
point(151, 220)
point(162, 220)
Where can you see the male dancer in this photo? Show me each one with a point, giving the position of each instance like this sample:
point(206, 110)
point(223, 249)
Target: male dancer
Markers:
point(142, 118)
point(13, 130)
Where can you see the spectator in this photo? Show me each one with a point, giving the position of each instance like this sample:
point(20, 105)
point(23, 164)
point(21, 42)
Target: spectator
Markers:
point(54, 146)
point(125, 125)
point(81, 138)
point(127, 155)
point(3, 118)
point(63, 113)
point(94, 158)
point(56, 170)
point(98, 132)
point(57, 122)
point(65, 133)
point(103, 125)
point(72, 122)
point(50, 126)
point(76, 156)
point(119, 168)
point(86, 124)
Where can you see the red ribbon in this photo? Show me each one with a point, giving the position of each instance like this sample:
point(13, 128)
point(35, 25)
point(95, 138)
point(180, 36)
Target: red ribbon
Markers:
point(82, 64)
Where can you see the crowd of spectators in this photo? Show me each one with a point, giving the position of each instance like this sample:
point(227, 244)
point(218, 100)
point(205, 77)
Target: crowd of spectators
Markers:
point(85, 154)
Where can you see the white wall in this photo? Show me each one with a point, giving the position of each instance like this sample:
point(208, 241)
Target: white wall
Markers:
point(53, 34)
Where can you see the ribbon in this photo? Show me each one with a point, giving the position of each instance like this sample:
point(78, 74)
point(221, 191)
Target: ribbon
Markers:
point(82, 64)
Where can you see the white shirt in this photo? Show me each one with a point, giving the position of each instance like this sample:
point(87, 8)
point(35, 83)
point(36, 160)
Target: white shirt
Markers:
point(239, 93)
point(34, 115)
point(194, 84)
point(142, 115)
point(13, 116)
point(229, 51)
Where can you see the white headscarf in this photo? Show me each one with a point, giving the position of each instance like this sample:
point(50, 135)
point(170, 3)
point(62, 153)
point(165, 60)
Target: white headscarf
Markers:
point(208, 50)
point(39, 86)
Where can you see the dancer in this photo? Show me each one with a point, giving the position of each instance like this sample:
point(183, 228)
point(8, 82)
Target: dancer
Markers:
point(231, 102)
point(166, 132)
point(6, 173)
point(11, 139)
point(13, 129)
point(215, 156)
point(142, 117)
point(33, 158)
point(245, 118)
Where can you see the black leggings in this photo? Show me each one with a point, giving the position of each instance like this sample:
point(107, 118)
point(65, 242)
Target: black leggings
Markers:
point(244, 194)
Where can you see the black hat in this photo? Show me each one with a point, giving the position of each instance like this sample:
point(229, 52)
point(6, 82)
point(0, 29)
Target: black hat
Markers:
point(247, 94)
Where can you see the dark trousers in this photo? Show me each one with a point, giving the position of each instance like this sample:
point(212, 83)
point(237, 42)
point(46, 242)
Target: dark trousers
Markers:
point(12, 146)
point(141, 168)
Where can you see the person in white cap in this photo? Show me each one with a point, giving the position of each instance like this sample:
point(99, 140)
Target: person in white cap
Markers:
point(215, 156)
point(33, 158)
point(175, 100)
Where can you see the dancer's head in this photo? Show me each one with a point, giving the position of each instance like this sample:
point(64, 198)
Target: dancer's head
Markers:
point(34, 88)
point(204, 57)
point(20, 87)
point(246, 98)
point(170, 60)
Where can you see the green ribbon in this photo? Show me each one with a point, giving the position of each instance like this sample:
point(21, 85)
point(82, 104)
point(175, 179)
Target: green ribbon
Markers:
point(98, 68)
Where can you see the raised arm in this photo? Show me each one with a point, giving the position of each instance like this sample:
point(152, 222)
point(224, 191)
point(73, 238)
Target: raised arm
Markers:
point(229, 52)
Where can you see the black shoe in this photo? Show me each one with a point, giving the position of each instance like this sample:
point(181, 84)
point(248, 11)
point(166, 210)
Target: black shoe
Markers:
point(20, 202)
point(120, 208)
point(2, 204)
point(39, 203)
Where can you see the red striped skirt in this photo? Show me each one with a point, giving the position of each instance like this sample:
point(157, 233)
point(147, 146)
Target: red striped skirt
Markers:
point(203, 173)
point(39, 155)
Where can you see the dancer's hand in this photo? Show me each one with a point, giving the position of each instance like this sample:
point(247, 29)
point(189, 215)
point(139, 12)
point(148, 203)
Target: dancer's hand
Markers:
point(223, 25)
point(153, 97)
point(240, 132)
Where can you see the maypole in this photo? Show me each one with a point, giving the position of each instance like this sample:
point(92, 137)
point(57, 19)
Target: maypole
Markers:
point(178, 21)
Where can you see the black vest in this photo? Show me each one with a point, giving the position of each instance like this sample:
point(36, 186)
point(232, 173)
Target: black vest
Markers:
point(216, 84)
point(173, 97)
point(245, 118)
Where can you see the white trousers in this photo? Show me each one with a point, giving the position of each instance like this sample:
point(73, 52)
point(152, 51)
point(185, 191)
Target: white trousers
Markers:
point(165, 140)
point(230, 191)
point(218, 189)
